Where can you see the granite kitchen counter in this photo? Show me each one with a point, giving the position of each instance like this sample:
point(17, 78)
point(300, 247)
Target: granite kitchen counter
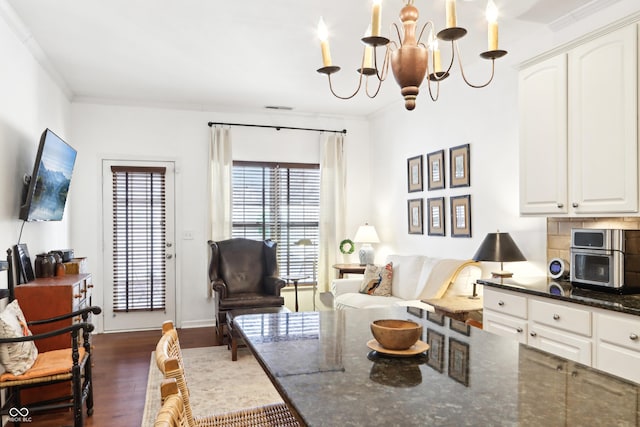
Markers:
point(566, 291)
point(324, 370)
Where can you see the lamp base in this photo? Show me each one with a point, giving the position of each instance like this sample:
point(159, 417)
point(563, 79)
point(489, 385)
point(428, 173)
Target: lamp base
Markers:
point(501, 274)
point(366, 254)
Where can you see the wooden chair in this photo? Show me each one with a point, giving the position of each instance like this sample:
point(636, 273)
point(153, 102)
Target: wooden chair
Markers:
point(169, 361)
point(71, 365)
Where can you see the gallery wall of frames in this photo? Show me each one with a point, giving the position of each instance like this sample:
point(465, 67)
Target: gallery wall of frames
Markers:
point(447, 208)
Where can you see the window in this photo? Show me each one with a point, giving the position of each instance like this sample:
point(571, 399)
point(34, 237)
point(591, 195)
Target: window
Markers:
point(280, 202)
point(139, 270)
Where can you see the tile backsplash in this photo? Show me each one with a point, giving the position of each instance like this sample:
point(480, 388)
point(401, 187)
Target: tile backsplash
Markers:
point(559, 231)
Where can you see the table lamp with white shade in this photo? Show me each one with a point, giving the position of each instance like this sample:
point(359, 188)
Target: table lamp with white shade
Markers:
point(366, 235)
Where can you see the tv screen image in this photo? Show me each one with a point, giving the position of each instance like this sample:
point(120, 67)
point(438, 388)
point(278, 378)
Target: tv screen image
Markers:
point(47, 191)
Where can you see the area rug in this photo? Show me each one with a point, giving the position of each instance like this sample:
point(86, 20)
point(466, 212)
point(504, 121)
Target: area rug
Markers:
point(216, 384)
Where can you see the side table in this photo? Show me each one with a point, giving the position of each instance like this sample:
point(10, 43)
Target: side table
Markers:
point(233, 333)
point(458, 307)
point(349, 269)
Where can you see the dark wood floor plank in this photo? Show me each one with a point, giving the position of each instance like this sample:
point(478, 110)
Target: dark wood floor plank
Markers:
point(120, 371)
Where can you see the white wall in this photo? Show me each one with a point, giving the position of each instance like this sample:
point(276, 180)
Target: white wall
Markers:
point(487, 120)
point(109, 131)
point(30, 102)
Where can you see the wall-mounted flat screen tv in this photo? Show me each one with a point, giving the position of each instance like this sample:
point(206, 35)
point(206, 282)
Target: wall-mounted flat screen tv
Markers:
point(46, 191)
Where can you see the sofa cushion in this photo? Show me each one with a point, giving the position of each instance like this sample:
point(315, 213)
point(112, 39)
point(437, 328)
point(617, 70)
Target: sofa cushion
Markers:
point(377, 280)
point(406, 271)
point(358, 300)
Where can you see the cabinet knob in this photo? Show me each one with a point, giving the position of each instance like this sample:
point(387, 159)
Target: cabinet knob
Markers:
point(574, 204)
point(77, 295)
point(533, 334)
point(500, 303)
point(556, 317)
point(89, 286)
point(559, 368)
point(169, 256)
point(519, 330)
point(560, 205)
point(633, 337)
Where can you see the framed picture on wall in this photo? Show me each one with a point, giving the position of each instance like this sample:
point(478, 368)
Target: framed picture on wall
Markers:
point(436, 170)
point(460, 212)
point(459, 166)
point(414, 173)
point(414, 208)
point(435, 215)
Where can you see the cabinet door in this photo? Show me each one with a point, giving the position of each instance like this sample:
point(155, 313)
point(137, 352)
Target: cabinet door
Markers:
point(507, 326)
point(618, 345)
point(563, 344)
point(603, 153)
point(542, 97)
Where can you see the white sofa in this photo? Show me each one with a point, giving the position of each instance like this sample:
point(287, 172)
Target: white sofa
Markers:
point(415, 277)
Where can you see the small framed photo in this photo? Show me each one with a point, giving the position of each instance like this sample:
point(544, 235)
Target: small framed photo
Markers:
point(459, 166)
point(435, 215)
point(435, 354)
point(414, 173)
point(436, 169)
point(460, 212)
point(415, 311)
point(459, 326)
point(415, 216)
point(459, 361)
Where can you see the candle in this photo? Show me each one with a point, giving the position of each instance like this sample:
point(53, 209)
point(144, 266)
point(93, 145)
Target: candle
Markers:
point(437, 63)
point(451, 13)
point(492, 20)
point(368, 51)
point(376, 18)
point(323, 35)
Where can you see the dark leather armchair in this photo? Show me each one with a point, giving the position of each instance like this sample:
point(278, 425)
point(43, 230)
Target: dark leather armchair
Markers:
point(243, 274)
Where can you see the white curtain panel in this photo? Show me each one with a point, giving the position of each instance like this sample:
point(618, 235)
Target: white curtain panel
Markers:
point(332, 205)
point(220, 169)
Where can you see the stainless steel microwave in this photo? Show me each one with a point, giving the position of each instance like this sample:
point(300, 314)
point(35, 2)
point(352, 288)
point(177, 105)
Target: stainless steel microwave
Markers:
point(608, 258)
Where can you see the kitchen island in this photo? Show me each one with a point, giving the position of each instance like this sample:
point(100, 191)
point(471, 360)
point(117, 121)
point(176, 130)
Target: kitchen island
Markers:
point(324, 370)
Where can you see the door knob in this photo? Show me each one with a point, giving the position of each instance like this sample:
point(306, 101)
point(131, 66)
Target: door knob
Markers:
point(169, 256)
point(169, 244)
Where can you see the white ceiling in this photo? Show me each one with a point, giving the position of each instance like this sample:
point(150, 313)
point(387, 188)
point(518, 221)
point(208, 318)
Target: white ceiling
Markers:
point(212, 54)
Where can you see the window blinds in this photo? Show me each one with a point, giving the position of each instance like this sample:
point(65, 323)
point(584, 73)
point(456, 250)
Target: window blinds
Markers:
point(280, 202)
point(139, 241)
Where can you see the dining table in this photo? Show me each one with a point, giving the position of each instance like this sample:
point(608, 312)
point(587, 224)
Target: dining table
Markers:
point(330, 372)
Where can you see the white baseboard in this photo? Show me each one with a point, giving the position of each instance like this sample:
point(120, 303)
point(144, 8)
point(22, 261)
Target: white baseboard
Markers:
point(203, 323)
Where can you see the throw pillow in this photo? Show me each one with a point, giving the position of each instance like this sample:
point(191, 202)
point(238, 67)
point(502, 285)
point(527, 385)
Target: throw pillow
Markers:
point(377, 280)
point(17, 357)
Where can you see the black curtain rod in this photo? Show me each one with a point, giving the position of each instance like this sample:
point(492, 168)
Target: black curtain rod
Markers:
point(276, 127)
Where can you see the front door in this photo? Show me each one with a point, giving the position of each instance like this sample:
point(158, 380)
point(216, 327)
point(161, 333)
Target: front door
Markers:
point(139, 273)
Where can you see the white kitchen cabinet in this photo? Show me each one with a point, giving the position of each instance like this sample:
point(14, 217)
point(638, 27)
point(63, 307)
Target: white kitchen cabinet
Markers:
point(505, 314)
point(542, 98)
point(603, 137)
point(618, 345)
point(578, 129)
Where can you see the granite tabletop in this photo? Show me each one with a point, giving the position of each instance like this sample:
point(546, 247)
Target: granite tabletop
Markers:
point(567, 291)
point(321, 365)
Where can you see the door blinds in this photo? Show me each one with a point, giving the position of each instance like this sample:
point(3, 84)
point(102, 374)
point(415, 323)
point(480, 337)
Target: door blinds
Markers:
point(139, 219)
point(280, 202)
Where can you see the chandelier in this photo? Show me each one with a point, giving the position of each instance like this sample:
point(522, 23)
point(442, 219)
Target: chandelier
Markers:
point(411, 60)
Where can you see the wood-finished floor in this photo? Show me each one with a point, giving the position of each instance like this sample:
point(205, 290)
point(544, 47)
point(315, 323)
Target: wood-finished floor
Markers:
point(120, 370)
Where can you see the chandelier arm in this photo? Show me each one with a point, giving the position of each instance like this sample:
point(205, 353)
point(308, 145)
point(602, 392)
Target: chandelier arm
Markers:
point(345, 97)
point(397, 32)
point(384, 71)
point(424, 27)
point(366, 85)
point(464, 77)
point(430, 91)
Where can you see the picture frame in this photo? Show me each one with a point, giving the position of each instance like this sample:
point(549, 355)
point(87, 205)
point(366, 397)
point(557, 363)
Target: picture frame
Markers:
point(459, 169)
point(460, 327)
point(459, 361)
point(437, 318)
point(415, 311)
point(436, 170)
point(24, 268)
point(435, 354)
point(435, 217)
point(414, 174)
point(460, 213)
point(415, 221)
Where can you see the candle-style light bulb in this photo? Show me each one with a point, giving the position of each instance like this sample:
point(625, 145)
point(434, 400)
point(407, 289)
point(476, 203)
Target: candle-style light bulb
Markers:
point(492, 22)
point(323, 35)
point(435, 51)
point(368, 51)
point(450, 8)
point(376, 18)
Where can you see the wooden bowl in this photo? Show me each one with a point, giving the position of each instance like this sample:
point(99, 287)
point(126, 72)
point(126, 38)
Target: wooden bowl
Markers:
point(396, 334)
